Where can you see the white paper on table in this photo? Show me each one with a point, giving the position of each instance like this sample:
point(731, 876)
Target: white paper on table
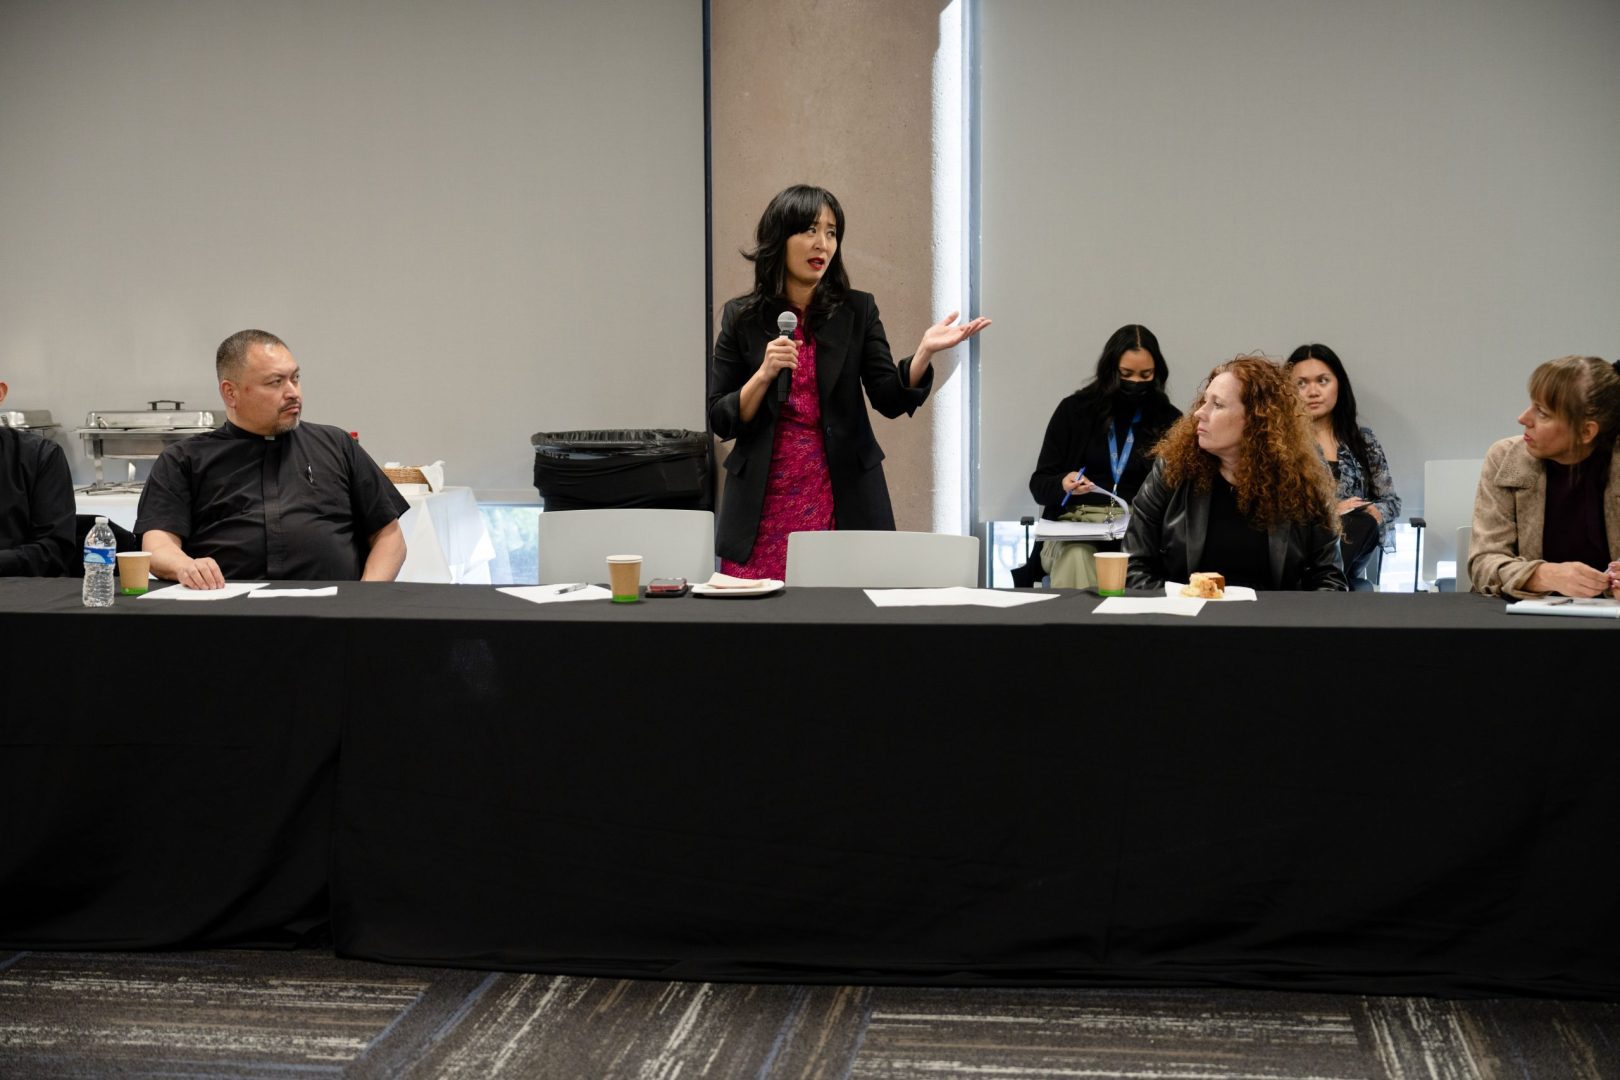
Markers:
point(553, 594)
point(1173, 589)
point(955, 596)
point(180, 592)
point(329, 590)
point(1594, 608)
point(1149, 605)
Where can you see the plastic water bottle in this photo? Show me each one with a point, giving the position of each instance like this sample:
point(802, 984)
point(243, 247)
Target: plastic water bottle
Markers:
point(99, 547)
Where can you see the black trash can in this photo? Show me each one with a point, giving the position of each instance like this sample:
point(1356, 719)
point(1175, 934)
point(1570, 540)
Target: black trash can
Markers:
point(592, 470)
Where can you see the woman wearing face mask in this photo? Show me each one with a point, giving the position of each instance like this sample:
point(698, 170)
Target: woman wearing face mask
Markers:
point(1547, 512)
point(1238, 489)
point(1101, 435)
point(810, 462)
point(1367, 502)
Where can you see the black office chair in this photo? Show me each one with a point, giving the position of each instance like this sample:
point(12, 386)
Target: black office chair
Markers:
point(123, 539)
point(1030, 575)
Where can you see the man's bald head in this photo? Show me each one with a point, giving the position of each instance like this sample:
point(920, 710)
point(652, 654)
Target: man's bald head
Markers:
point(232, 352)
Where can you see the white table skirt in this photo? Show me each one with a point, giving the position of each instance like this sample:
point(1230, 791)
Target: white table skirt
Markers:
point(445, 537)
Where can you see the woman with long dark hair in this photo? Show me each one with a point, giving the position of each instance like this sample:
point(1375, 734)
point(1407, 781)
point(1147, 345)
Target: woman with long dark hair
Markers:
point(1101, 435)
point(1366, 498)
point(1238, 490)
point(810, 462)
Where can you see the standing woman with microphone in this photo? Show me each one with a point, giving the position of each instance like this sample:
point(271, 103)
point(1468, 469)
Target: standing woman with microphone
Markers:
point(788, 390)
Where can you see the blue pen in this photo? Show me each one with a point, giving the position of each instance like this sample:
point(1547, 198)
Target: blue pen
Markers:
point(1081, 475)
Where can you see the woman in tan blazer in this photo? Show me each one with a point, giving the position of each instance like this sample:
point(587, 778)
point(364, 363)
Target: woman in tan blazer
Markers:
point(1547, 511)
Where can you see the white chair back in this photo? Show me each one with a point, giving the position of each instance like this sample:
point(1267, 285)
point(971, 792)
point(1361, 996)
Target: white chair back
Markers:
point(1465, 536)
point(1448, 504)
point(575, 544)
point(882, 560)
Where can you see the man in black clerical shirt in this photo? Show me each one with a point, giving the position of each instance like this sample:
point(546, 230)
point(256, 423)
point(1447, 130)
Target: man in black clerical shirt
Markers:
point(266, 497)
point(36, 505)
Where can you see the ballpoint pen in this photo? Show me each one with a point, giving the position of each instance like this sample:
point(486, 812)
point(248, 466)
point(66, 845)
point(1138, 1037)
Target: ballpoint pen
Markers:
point(578, 585)
point(1079, 476)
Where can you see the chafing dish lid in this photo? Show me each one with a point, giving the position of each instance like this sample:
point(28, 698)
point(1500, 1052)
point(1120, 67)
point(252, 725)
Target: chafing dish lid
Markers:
point(177, 418)
point(26, 418)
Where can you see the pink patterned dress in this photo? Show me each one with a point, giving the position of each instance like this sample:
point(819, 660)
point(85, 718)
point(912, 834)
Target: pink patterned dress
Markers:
point(798, 494)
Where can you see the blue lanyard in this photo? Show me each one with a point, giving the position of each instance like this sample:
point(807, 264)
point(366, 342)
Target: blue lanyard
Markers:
point(1119, 454)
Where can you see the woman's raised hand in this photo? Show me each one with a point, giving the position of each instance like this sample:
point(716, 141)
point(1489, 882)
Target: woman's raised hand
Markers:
point(943, 335)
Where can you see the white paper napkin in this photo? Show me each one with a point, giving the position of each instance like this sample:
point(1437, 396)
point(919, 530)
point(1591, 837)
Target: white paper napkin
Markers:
point(1173, 589)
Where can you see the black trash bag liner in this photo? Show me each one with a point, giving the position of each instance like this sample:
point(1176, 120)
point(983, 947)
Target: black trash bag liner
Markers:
point(591, 470)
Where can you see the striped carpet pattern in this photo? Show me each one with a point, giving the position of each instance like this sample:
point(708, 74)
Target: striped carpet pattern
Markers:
point(247, 1014)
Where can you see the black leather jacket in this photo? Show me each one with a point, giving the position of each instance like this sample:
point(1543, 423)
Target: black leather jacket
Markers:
point(1165, 540)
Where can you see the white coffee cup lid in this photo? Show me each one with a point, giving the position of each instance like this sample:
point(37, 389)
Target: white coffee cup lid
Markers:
point(624, 558)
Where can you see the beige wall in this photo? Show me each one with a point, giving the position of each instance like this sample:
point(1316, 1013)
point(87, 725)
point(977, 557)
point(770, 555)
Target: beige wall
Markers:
point(837, 93)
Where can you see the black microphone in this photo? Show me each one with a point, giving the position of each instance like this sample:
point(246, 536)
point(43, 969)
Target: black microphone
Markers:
point(787, 322)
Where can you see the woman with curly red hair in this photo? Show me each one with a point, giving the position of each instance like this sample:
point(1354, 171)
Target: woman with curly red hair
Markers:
point(1239, 490)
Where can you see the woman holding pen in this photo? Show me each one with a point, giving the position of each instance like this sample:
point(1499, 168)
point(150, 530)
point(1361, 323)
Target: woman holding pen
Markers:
point(1099, 438)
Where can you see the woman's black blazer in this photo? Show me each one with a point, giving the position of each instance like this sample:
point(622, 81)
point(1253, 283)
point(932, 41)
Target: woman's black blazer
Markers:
point(851, 352)
point(1165, 540)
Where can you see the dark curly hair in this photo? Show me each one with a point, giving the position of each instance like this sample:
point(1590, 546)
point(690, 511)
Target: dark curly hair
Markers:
point(1280, 478)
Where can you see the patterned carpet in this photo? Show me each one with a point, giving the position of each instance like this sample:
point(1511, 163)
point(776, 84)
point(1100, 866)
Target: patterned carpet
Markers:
point(270, 1014)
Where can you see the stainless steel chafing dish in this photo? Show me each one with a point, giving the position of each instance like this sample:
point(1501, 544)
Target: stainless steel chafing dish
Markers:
point(27, 419)
point(140, 434)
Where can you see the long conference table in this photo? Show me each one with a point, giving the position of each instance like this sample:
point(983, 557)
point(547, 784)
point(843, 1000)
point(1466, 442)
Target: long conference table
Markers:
point(1363, 792)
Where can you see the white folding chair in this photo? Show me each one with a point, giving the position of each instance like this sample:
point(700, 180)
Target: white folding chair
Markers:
point(1448, 504)
point(882, 560)
point(575, 544)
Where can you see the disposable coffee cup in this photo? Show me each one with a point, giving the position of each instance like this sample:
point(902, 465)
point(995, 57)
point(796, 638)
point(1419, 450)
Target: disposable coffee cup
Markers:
point(134, 571)
point(1111, 572)
point(624, 578)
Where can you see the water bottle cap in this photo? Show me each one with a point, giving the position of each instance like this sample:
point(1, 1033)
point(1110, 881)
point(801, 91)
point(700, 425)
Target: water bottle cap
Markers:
point(101, 521)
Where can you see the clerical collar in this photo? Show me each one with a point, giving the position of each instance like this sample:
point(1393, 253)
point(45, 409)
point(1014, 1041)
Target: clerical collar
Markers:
point(241, 433)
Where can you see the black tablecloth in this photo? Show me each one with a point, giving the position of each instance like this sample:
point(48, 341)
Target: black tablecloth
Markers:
point(1370, 792)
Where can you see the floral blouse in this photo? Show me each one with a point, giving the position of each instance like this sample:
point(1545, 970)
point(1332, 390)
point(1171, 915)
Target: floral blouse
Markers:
point(1354, 484)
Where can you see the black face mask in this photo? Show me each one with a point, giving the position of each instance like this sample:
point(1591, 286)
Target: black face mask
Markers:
point(1133, 389)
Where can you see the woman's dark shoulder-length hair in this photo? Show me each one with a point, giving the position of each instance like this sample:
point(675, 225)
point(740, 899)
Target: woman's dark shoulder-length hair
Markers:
point(1101, 392)
point(1346, 427)
point(793, 211)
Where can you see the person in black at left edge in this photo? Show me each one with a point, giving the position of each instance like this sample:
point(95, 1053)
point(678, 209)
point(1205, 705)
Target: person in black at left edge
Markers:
point(265, 497)
point(36, 505)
